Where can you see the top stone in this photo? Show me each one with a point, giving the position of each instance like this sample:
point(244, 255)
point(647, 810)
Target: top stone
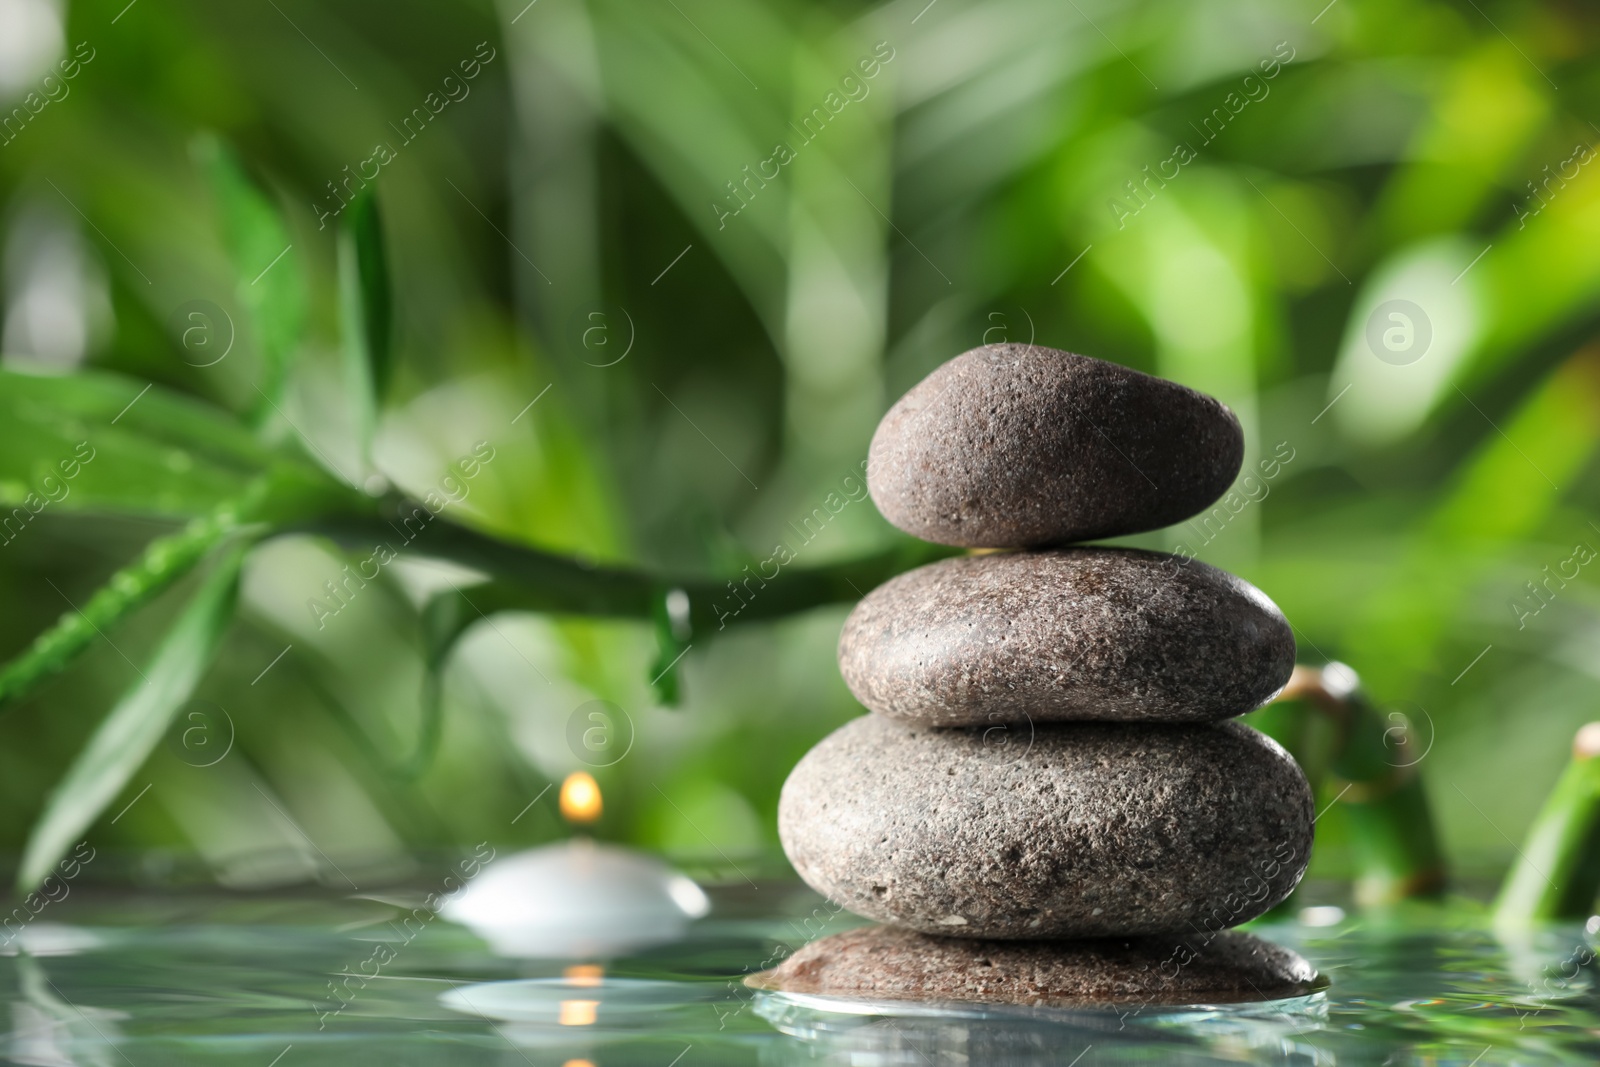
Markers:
point(1017, 446)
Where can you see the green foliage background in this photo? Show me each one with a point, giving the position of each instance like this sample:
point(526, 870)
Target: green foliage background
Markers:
point(975, 188)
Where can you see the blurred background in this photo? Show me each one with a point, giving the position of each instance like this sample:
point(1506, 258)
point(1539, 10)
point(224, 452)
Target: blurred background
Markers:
point(709, 244)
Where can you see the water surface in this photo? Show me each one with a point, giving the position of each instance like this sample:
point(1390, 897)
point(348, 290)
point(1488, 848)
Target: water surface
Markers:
point(115, 979)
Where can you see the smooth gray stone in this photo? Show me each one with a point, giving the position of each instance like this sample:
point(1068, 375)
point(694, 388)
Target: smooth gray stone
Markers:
point(1106, 634)
point(883, 963)
point(1017, 446)
point(1067, 830)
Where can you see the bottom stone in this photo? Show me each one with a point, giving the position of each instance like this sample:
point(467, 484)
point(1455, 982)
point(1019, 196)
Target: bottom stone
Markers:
point(884, 963)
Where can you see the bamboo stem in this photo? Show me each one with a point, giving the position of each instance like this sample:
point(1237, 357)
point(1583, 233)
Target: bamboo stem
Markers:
point(682, 610)
point(1557, 872)
point(1375, 777)
point(528, 579)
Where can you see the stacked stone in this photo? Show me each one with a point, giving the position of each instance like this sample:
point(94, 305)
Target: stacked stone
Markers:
point(1047, 802)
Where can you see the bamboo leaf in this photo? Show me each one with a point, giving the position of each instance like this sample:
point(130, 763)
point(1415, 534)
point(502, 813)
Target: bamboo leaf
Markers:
point(269, 278)
point(163, 562)
point(277, 500)
point(125, 739)
point(367, 308)
point(103, 443)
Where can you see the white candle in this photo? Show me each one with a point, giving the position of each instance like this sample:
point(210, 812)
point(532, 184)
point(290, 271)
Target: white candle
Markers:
point(577, 899)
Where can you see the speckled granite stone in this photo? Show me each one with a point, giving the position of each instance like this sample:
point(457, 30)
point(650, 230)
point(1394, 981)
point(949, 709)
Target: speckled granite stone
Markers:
point(882, 963)
point(1065, 830)
point(1076, 634)
point(1018, 446)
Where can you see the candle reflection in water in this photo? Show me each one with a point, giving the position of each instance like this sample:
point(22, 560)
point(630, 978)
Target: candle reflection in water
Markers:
point(579, 900)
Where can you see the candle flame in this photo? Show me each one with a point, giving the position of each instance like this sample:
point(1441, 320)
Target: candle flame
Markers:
point(578, 1012)
point(580, 798)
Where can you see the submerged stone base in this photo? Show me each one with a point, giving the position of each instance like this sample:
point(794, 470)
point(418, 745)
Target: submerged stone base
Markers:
point(884, 963)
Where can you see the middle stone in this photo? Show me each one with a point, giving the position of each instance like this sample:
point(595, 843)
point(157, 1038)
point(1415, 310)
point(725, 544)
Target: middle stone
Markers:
point(1071, 830)
point(1075, 634)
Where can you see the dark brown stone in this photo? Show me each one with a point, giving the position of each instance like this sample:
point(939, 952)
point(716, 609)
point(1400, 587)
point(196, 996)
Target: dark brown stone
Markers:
point(1058, 830)
point(1017, 446)
point(1077, 634)
point(882, 963)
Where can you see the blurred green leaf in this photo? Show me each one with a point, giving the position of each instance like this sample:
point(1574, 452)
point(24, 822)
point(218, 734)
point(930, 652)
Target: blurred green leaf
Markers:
point(367, 308)
point(269, 279)
point(95, 442)
point(1502, 494)
point(124, 740)
point(101, 443)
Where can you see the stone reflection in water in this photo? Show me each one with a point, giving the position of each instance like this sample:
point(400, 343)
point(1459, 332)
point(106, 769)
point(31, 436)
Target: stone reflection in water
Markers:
point(889, 964)
point(890, 1033)
point(883, 996)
